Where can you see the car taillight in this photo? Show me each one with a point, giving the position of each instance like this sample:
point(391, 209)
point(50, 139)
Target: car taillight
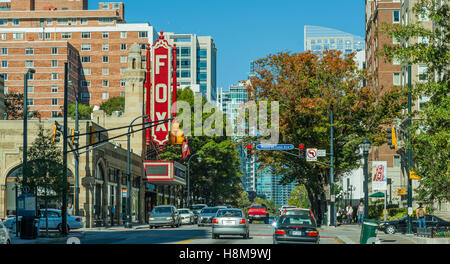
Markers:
point(313, 233)
point(215, 221)
point(280, 232)
point(242, 221)
point(78, 219)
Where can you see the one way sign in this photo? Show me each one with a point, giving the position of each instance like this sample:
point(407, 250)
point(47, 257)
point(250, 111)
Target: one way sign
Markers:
point(311, 154)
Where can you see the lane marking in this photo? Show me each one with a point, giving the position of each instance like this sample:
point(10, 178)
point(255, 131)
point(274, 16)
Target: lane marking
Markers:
point(188, 241)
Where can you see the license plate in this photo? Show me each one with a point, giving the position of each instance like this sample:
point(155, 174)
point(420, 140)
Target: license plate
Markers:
point(297, 233)
point(228, 222)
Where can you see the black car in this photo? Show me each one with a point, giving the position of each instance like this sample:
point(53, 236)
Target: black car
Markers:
point(296, 229)
point(401, 225)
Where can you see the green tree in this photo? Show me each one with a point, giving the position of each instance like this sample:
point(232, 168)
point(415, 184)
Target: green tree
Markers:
point(431, 126)
point(84, 111)
point(113, 104)
point(306, 85)
point(299, 197)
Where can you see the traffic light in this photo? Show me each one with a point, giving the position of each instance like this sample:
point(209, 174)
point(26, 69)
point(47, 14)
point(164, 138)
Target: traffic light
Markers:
point(302, 150)
point(249, 151)
point(57, 130)
point(392, 138)
point(92, 135)
point(75, 137)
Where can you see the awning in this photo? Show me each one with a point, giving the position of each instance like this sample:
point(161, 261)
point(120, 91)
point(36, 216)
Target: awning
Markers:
point(377, 195)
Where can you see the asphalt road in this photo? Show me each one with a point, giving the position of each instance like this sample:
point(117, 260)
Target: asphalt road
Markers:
point(186, 234)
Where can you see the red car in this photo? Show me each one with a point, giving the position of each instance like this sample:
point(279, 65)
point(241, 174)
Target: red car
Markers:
point(258, 212)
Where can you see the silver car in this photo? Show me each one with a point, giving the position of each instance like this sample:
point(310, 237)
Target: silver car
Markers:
point(230, 221)
point(206, 216)
point(187, 217)
point(164, 215)
point(4, 234)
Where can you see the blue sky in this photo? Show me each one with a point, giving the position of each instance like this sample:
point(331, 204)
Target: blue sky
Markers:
point(246, 30)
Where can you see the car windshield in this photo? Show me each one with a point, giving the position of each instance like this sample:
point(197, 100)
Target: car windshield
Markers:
point(209, 210)
point(197, 207)
point(258, 206)
point(297, 220)
point(162, 210)
point(183, 211)
point(229, 213)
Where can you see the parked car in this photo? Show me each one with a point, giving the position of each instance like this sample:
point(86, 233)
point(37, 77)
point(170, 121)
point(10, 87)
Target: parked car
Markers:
point(54, 220)
point(296, 229)
point(230, 221)
point(4, 234)
point(206, 215)
point(401, 225)
point(164, 215)
point(196, 208)
point(258, 212)
point(187, 217)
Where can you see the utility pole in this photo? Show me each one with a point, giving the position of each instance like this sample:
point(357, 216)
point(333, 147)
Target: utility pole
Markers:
point(77, 160)
point(332, 213)
point(409, 230)
point(64, 190)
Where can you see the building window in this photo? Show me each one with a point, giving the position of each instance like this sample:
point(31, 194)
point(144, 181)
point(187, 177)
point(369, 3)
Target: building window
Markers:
point(15, 22)
point(85, 35)
point(83, 21)
point(395, 40)
point(62, 21)
point(105, 6)
point(30, 76)
point(423, 40)
point(30, 89)
point(105, 83)
point(397, 162)
point(54, 76)
point(122, 83)
point(86, 47)
point(54, 89)
point(5, 76)
point(85, 96)
point(86, 59)
point(105, 47)
point(106, 20)
point(105, 71)
point(48, 35)
point(4, 64)
point(396, 16)
point(105, 35)
point(66, 35)
point(17, 36)
point(5, 89)
point(3, 22)
point(123, 34)
point(54, 51)
point(54, 114)
point(105, 59)
point(122, 70)
point(123, 46)
point(396, 78)
point(85, 83)
point(123, 59)
point(85, 71)
point(54, 63)
point(143, 34)
point(54, 101)
point(105, 95)
point(29, 64)
point(115, 5)
point(3, 36)
point(396, 61)
point(202, 53)
point(4, 51)
point(422, 70)
point(30, 101)
point(49, 21)
point(122, 94)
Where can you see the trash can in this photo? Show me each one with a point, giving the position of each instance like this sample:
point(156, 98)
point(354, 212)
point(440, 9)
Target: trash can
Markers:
point(369, 231)
point(325, 219)
point(28, 228)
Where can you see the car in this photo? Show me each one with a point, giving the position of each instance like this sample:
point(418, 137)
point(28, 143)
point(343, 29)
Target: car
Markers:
point(296, 229)
point(258, 212)
point(225, 206)
point(401, 225)
point(4, 234)
point(196, 208)
point(187, 217)
point(54, 220)
point(298, 211)
point(164, 215)
point(230, 221)
point(284, 207)
point(206, 215)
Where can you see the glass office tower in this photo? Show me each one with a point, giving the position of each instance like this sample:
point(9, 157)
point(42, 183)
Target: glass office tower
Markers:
point(318, 39)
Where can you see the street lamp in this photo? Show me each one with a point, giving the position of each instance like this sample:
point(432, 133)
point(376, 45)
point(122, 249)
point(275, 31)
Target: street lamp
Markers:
point(130, 129)
point(365, 145)
point(25, 121)
point(189, 176)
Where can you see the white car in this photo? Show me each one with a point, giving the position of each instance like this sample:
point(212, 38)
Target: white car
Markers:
point(4, 234)
point(54, 220)
point(187, 216)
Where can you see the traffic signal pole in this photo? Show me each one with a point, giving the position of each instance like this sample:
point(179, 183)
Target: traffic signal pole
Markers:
point(64, 190)
point(409, 230)
point(77, 160)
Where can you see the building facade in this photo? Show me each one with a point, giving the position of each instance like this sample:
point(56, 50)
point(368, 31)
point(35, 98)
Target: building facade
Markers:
point(2, 99)
point(318, 39)
point(196, 63)
point(44, 34)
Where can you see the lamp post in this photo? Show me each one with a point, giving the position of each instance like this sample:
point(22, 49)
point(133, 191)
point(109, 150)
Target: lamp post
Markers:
point(130, 128)
point(366, 148)
point(25, 122)
point(188, 178)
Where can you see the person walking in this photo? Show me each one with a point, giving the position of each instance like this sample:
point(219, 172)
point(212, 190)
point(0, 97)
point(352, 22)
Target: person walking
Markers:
point(69, 209)
point(113, 213)
point(420, 214)
point(360, 213)
point(349, 214)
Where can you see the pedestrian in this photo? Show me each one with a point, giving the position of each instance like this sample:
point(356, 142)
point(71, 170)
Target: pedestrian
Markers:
point(420, 214)
point(349, 214)
point(339, 216)
point(360, 213)
point(69, 209)
point(113, 212)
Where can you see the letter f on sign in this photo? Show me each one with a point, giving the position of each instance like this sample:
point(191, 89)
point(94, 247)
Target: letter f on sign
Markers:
point(159, 63)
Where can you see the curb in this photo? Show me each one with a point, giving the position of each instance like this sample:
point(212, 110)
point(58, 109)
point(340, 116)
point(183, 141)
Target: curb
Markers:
point(46, 240)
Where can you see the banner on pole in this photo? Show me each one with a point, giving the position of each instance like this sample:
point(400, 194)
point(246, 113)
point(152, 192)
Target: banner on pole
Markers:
point(379, 175)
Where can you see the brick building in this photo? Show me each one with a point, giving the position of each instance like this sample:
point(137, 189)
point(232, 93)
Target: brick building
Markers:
point(44, 34)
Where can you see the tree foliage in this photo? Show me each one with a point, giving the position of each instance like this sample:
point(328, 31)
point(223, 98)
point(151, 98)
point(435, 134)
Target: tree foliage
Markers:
point(431, 127)
point(84, 111)
point(113, 104)
point(299, 197)
point(306, 85)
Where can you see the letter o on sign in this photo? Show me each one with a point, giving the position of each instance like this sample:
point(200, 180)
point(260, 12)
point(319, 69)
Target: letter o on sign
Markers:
point(161, 96)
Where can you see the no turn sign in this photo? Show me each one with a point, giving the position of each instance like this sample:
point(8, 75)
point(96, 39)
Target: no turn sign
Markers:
point(311, 154)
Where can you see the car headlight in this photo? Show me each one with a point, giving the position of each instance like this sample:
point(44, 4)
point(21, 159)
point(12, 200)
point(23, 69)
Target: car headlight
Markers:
point(151, 219)
point(169, 218)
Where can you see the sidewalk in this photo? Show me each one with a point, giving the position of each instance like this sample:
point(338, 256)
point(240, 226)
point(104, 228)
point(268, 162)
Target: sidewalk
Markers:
point(135, 226)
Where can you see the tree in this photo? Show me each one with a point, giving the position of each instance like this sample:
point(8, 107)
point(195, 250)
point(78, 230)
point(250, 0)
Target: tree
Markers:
point(14, 106)
point(306, 86)
point(431, 127)
point(217, 177)
point(84, 111)
point(113, 104)
point(299, 197)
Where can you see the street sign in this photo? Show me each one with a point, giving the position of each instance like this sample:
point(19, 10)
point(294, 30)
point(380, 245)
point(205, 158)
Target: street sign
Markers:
point(410, 211)
point(333, 198)
point(321, 153)
point(124, 192)
point(275, 147)
point(311, 154)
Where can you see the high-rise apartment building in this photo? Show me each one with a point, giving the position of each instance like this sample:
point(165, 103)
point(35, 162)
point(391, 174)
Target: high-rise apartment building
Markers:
point(196, 63)
point(45, 34)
